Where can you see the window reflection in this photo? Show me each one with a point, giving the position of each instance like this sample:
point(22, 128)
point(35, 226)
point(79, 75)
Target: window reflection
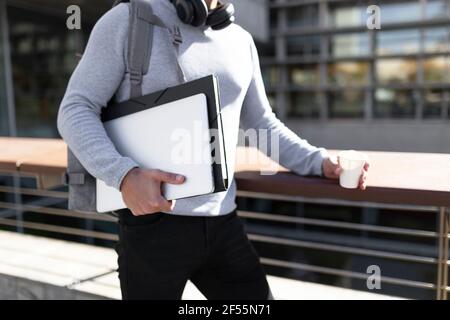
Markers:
point(437, 9)
point(437, 40)
point(349, 45)
point(270, 76)
point(304, 75)
point(346, 104)
point(43, 57)
point(342, 15)
point(3, 106)
point(400, 11)
point(348, 73)
point(304, 104)
point(272, 101)
point(398, 42)
point(392, 103)
point(437, 69)
point(303, 16)
point(434, 102)
point(391, 71)
point(303, 46)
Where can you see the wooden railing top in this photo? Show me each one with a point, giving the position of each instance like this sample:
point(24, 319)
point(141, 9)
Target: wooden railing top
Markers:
point(395, 177)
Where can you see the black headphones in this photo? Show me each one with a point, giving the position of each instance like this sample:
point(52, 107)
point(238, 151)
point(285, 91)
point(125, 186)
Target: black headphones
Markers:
point(196, 13)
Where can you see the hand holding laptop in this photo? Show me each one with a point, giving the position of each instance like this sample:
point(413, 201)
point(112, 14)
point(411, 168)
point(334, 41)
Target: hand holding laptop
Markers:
point(141, 191)
point(179, 130)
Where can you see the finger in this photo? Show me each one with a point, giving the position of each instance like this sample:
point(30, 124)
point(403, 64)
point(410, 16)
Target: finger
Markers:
point(362, 179)
point(136, 212)
point(334, 160)
point(338, 170)
point(150, 208)
point(168, 177)
point(367, 166)
point(173, 203)
point(164, 205)
point(362, 183)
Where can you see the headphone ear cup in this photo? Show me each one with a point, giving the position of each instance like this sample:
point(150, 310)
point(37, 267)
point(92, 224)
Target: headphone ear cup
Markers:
point(221, 17)
point(200, 12)
point(185, 10)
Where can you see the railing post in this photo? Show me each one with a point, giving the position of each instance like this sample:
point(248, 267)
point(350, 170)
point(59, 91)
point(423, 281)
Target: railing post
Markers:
point(446, 247)
point(442, 277)
point(18, 202)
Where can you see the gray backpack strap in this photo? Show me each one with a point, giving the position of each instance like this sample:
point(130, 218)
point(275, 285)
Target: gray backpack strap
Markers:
point(139, 44)
point(82, 185)
point(142, 21)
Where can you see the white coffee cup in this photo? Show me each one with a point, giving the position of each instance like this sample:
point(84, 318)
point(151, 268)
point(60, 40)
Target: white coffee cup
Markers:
point(352, 164)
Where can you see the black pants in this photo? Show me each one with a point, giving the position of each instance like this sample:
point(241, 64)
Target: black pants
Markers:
point(158, 253)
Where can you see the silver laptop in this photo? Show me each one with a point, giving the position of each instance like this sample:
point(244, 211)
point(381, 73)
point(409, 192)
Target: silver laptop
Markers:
point(172, 137)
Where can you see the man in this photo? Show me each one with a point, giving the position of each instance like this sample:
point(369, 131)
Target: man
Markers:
point(162, 243)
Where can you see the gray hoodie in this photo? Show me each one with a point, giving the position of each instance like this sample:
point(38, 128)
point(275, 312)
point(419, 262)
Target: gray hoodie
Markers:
point(230, 54)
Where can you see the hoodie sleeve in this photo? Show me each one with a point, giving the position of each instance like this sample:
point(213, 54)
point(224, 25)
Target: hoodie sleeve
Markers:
point(93, 83)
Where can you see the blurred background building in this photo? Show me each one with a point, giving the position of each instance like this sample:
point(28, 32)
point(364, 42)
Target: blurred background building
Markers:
point(343, 85)
point(328, 77)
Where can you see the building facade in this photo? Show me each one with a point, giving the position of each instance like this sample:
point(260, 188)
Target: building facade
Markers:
point(330, 78)
point(343, 85)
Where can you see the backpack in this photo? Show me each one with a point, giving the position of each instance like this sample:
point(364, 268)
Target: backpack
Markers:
point(82, 185)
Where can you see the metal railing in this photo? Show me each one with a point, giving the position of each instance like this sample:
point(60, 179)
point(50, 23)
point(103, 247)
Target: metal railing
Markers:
point(11, 215)
point(441, 235)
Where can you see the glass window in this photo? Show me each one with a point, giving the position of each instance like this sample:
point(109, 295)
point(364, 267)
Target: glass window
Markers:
point(342, 15)
point(349, 45)
point(306, 46)
point(303, 16)
point(434, 102)
point(390, 103)
point(304, 75)
point(346, 104)
point(398, 42)
point(446, 99)
point(391, 71)
point(272, 101)
point(437, 40)
point(304, 104)
point(348, 73)
point(273, 16)
point(437, 69)
point(437, 9)
point(43, 57)
point(3, 107)
point(270, 76)
point(400, 11)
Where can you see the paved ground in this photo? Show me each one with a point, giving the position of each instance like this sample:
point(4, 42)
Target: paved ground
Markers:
point(41, 268)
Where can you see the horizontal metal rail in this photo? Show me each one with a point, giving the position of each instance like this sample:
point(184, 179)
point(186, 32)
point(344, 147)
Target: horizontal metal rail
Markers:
point(342, 249)
point(35, 192)
point(335, 202)
point(336, 224)
point(62, 230)
point(56, 212)
point(344, 273)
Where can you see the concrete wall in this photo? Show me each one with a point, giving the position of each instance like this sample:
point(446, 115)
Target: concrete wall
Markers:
point(253, 15)
point(406, 136)
point(14, 288)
